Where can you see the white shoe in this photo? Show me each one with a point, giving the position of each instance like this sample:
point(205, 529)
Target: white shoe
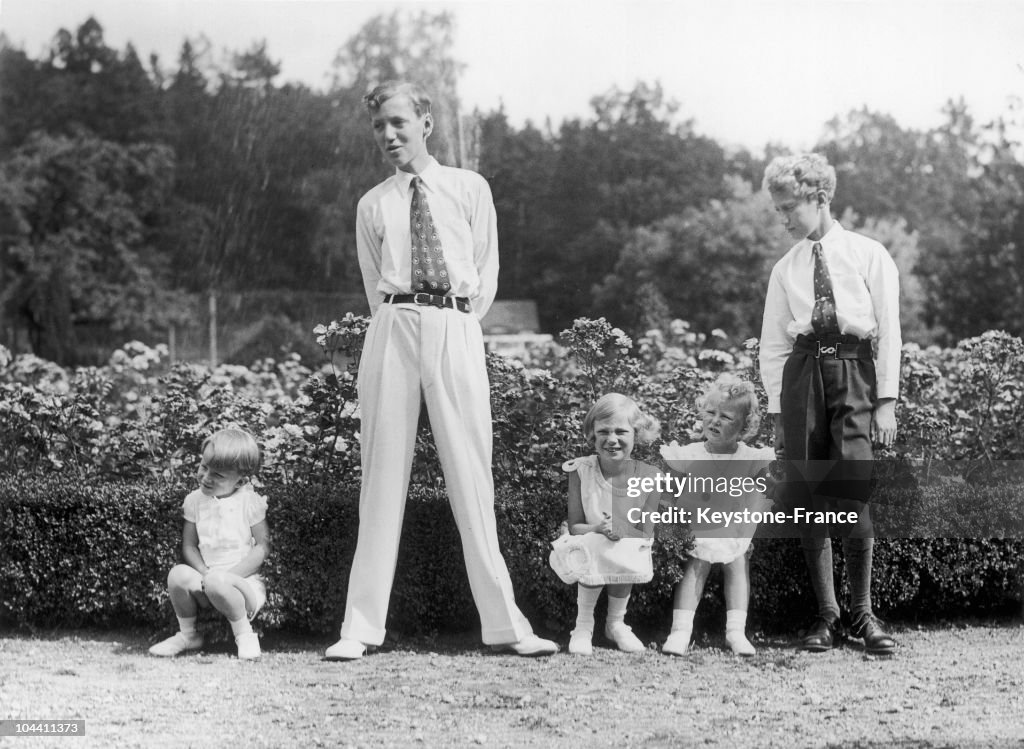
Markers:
point(678, 641)
point(581, 642)
point(248, 646)
point(345, 650)
point(177, 645)
point(531, 645)
point(739, 643)
point(624, 638)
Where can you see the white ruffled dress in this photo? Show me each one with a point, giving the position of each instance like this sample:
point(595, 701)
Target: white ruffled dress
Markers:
point(593, 558)
point(720, 544)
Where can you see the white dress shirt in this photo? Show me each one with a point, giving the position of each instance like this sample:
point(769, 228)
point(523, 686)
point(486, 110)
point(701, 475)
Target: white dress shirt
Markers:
point(867, 293)
point(463, 210)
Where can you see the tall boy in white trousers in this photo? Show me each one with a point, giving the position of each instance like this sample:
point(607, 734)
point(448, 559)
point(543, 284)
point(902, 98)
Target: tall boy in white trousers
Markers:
point(428, 252)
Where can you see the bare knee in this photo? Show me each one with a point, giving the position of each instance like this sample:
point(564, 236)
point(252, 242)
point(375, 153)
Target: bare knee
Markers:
point(182, 577)
point(217, 583)
point(620, 590)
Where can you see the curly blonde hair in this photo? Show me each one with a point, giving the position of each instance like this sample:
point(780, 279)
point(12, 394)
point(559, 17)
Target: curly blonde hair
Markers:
point(803, 175)
point(646, 427)
point(735, 390)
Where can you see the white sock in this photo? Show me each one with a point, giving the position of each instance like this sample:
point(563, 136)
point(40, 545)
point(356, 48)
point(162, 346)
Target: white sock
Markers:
point(586, 600)
point(241, 627)
point(187, 624)
point(682, 619)
point(735, 636)
point(735, 620)
point(616, 610)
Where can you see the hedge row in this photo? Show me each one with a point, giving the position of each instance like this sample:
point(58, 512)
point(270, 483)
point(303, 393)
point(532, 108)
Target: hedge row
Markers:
point(98, 555)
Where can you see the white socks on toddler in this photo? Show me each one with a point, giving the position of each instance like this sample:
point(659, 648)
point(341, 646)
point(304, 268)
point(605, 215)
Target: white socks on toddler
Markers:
point(735, 638)
point(682, 630)
point(617, 631)
point(189, 639)
point(241, 627)
point(580, 642)
point(180, 642)
point(246, 640)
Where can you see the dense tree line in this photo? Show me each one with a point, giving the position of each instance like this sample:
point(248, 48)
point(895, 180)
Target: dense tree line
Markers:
point(129, 189)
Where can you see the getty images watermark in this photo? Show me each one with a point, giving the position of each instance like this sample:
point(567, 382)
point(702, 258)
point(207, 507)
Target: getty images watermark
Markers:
point(902, 498)
point(714, 513)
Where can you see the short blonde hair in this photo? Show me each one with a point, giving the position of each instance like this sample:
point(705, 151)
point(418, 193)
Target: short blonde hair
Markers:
point(232, 450)
point(646, 427)
point(803, 175)
point(734, 389)
point(390, 89)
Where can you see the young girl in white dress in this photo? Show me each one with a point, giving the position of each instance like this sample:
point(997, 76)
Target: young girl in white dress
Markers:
point(730, 413)
point(225, 539)
point(603, 549)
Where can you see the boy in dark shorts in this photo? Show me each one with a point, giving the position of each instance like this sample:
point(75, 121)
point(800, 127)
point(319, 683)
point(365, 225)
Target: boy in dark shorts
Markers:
point(830, 358)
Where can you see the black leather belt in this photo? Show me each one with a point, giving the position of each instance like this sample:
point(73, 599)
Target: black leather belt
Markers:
point(834, 347)
point(460, 303)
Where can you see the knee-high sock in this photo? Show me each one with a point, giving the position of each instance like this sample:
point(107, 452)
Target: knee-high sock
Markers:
point(818, 555)
point(616, 610)
point(858, 552)
point(586, 600)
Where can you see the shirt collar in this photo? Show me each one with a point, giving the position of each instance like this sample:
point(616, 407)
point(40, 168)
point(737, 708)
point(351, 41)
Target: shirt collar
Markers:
point(428, 176)
point(830, 237)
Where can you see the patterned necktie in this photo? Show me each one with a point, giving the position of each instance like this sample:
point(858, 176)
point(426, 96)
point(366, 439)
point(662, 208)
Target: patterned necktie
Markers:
point(429, 273)
point(823, 318)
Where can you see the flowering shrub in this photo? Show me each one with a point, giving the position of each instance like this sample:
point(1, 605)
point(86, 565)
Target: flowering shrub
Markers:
point(141, 416)
point(989, 397)
point(137, 416)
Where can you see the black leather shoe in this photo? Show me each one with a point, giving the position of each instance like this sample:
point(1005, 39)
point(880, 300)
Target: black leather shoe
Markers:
point(876, 640)
point(821, 636)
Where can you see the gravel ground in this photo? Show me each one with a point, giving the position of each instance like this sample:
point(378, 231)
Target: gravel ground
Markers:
point(951, 686)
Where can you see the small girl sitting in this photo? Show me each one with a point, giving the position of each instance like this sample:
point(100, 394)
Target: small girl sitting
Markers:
point(730, 413)
point(603, 546)
point(225, 539)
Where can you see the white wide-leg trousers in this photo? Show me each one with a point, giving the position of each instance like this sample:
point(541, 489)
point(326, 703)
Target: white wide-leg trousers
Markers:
point(440, 352)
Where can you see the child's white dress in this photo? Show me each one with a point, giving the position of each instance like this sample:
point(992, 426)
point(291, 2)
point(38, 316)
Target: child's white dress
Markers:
point(718, 543)
point(224, 527)
point(224, 524)
point(593, 558)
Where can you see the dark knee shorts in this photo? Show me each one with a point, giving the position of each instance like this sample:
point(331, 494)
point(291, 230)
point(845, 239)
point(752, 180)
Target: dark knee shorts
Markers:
point(827, 403)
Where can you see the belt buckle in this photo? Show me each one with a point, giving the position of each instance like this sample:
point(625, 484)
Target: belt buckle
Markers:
point(833, 350)
point(423, 299)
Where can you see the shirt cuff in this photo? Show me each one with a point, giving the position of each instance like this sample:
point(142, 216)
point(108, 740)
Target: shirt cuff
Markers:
point(885, 389)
